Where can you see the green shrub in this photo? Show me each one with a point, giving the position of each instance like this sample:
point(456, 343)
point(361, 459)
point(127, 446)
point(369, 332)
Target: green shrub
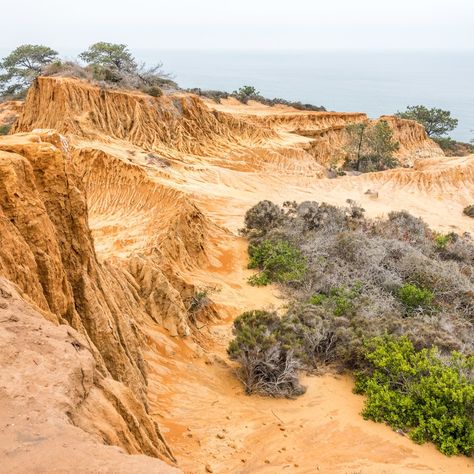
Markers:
point(430, 396)
point(5, 129)
point(340, 300)
point(415, 298)
point(278, 261)
point(343, 298)
point(259, 279)
point(442, 241)
point(317, 299)
point(370, 147)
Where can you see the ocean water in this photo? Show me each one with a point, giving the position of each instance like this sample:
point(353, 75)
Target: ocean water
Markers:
point(373, 82)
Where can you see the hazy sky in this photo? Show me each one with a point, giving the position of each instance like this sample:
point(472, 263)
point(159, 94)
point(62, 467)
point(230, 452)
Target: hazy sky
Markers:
point(244, 24)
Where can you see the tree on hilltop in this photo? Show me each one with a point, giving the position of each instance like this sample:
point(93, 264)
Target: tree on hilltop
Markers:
point(246, 93)
point(110, 55)
point(437, 122)
point(22, 66)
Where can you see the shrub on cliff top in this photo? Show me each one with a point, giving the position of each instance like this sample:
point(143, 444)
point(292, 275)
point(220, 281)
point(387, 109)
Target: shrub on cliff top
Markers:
point(437, 122)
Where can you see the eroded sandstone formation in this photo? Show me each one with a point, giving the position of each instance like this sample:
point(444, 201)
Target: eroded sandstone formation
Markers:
point(114, 212)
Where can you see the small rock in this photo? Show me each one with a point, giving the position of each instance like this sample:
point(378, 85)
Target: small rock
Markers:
point(209, 468)
point(220, 435)
point(267, 461)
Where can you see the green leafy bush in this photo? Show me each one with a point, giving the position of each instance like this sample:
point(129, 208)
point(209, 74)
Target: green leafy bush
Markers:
point(278, 261)
point(415, 298)
point(430, 396)
point(317, 299)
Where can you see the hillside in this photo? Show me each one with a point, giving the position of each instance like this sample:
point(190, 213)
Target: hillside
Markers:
point(116, 210)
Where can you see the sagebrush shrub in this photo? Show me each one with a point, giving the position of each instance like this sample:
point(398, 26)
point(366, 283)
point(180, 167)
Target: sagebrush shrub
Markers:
point(266, 366)
point(262, 217)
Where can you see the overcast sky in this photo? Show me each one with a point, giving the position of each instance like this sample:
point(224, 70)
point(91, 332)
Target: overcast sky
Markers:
point(244, 24)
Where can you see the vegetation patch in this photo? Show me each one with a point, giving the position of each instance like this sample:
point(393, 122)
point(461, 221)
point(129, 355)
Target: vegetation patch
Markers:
point(370, 147)
point(414, 298)
point(469, 210)
point(350, 280)
point(278, 261)
point(246, 93)
point(5, 129)
point(424, 393)
point(106, 64)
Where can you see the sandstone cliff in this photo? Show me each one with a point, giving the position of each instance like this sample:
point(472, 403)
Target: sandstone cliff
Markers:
point(49, 378)
point(47, 251)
